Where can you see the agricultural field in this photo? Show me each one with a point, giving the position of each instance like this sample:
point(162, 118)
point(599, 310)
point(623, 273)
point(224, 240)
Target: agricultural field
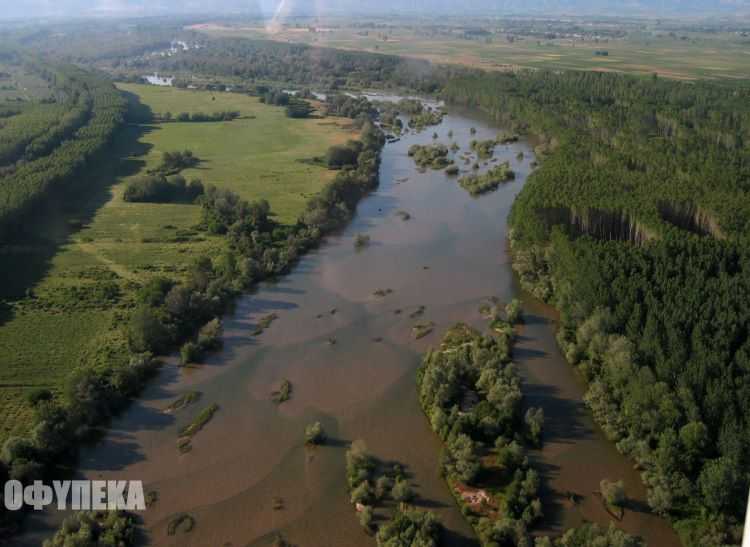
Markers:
point(72, 286)
point(685, 56)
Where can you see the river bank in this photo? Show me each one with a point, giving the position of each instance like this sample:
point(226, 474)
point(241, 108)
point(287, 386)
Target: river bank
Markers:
point(350, 356)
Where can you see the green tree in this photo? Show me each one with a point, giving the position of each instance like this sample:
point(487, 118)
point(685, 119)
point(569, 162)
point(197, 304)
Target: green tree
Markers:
point(366, 517)
point(402, 491)
point(147, 331)
point(613, 492)
point(718, 483)
point(314, 434)
point(513, 311)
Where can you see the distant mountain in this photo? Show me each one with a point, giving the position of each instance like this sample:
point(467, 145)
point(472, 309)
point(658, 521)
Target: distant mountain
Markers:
point(73, 8)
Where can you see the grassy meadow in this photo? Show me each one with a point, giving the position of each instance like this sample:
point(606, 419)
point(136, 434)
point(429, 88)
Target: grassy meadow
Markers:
point(69, 290)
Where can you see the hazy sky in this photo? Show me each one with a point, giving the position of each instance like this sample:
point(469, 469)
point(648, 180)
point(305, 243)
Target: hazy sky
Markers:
point(73, 8)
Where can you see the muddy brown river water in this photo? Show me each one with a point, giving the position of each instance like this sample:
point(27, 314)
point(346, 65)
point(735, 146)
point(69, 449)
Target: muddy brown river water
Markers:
point(449, 256)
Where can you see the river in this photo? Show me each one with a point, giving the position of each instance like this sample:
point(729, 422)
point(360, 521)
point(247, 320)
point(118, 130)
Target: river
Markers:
point(351, 359)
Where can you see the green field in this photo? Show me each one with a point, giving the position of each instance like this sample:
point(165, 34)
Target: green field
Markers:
point(699, 56)
point(56, 317)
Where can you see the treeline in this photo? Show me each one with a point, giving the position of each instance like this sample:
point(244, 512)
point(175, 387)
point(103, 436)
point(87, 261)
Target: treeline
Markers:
point(635, 226)
point(56, 155)
point(347, 106)
point(161, 189)
point(303, 65)
point(223, 116)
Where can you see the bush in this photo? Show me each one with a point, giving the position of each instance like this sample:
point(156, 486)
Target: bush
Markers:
point(177, 161)
point(613, 492)
point(209, 336)
point(366, 517)
point(38, 395)
point(190, 352)
point(361, 241)
point(314, 434)
point(513, 311)
point(100, 528)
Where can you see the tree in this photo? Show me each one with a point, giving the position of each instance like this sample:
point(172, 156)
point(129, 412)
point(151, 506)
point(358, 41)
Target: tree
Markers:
point(339, 156)
point(509, 455)
point(410, 529)
point(209, 336)
point(383, 486)
point(534, 420)
point(613, 492)
point(365, 518)
point(362, 493)
point(190, 352)
point(314, 434)
point(461, 458)
point(146, 332)
point(718, 483)
point(402, 491)
point(513, 311)
point(694, 438)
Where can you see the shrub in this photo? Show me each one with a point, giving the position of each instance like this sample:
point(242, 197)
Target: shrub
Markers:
point(38, 395)
point(361, 241)
point(314, 434)
point(513, 311)
point(190, 352)
point(110, 528)
point(613, 492)
point(366, 517)
point(209, 336)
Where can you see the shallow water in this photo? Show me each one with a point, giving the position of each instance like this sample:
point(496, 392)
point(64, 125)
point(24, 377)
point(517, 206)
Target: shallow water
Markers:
point(449, 256)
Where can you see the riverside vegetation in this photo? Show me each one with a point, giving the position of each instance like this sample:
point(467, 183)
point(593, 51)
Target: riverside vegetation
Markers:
point(472, 395)
point(478, 184)
point(373, 486)
point(635, 228)
point(166, 311)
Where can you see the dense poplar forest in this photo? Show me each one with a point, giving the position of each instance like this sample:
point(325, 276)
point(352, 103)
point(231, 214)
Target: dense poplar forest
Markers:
point(266, 61)
point(635, 227)
point(45, 144)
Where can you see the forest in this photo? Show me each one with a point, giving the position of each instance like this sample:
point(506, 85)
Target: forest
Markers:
point(635, 227)
point(45, 144)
